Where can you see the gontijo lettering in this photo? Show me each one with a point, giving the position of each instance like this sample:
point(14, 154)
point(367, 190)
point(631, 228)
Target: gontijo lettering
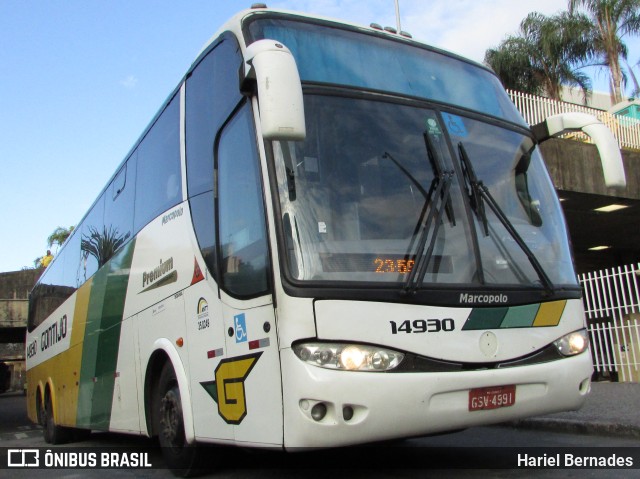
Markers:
point(54, 333)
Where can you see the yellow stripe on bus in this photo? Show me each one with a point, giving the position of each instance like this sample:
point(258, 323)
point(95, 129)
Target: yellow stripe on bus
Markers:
point(549, 314)
point(62, 372)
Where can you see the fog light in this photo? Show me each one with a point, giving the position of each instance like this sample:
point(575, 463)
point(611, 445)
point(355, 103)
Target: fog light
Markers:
point(319, 411)
point(347, 413)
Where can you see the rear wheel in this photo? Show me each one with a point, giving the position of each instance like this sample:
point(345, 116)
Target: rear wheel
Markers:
point(183, 459)
point(53, 434)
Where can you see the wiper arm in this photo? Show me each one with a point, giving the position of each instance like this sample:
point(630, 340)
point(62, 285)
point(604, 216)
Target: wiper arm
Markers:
point(480, 193)
point(406, 172)
point(473, 188)
point(436, 209)
point(438, 172)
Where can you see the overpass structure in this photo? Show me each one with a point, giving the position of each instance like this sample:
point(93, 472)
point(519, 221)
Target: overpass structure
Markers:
point(604, 223)
point(14, 293)
point(13, 320)
point(14, 301)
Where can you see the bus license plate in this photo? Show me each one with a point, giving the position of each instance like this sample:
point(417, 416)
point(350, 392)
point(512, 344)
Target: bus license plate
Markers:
point(492, 398)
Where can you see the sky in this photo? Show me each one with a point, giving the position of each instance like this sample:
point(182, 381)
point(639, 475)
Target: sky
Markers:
point(81, 79)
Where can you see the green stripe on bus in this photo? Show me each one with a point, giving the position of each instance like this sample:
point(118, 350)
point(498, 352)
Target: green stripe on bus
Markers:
point(520, 316)
point(526, 316)
point(485, 318)
point(101, 340)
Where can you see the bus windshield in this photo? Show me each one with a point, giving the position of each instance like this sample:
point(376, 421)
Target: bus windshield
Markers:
point(342, 57)
point(386, 186)
point(379, 187)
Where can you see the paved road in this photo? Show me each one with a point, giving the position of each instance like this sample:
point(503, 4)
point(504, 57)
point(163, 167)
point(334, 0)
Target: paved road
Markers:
point(437, 457)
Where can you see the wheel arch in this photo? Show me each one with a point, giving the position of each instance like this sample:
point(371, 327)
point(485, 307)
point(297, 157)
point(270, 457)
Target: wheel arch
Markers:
point(165, 352)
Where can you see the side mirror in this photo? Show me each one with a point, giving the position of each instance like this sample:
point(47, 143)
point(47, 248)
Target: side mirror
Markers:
point(604, 140)
point(272, 66)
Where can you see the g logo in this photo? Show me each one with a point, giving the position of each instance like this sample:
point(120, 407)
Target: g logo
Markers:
point(227, 390)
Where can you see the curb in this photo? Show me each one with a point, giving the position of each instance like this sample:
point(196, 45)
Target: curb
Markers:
point(576, 427)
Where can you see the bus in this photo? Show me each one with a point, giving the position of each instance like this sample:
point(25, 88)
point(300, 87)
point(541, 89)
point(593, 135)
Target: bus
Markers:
point(329, 235)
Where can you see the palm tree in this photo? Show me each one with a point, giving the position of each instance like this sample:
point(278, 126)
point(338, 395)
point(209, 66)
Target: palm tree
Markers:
point(511, 61)
point(59, 236)
point(610, 21)
point(102, 246)
point(544, 55)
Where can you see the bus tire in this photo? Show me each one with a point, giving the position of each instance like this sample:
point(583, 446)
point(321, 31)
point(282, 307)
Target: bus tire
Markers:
point(53, 434)
point(182, 458)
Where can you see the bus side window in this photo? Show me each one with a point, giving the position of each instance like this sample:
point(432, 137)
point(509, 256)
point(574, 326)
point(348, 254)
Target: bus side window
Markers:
point(119, 206)
point(158, 185)
point(202, 213)
point(243, 241)
point(94, 235)
point(55, 285)
point(212, 94)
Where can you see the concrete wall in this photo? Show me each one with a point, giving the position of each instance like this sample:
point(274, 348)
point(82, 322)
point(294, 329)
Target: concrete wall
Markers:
point(13, 313)
point(14, 293)
point(575, 166)
point(18, 284)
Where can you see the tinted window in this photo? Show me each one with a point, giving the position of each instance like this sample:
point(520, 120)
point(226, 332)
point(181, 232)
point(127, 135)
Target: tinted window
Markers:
point(71, 259)
point(330, 55)
point(119, 205)
point(243, 239)
point(212, 93)
point(158, 183)
point(202, 213)
point(94, 244)
point(58, 282)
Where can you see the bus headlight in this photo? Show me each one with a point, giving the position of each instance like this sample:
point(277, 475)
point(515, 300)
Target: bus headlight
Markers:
point(573, 343)
point(348, 357)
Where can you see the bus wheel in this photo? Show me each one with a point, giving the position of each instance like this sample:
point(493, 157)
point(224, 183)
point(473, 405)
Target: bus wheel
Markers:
point(53, 434)
point(179, 456)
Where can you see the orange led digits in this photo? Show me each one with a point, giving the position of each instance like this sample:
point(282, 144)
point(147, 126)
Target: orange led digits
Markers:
point(386, 265)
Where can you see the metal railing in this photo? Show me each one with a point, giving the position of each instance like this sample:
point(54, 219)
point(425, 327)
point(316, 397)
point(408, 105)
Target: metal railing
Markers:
point(535, 109)
point(612, 304)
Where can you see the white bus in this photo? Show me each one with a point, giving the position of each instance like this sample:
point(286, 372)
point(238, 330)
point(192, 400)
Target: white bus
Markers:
point(329, 235)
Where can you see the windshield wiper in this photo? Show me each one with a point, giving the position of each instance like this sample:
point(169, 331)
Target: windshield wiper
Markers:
point(436, 210)
point(406, 172)
point(438, 172)
point(427, 195)
point(473, 188)
point(439, 191)
point(478, 193)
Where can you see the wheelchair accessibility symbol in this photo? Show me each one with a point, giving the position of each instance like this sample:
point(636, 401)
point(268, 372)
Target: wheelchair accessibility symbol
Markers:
point(240, 325)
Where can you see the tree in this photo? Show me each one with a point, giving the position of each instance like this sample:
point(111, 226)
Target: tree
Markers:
point(59, 236)
point(512, 63)
point(102, 246)
point(611, 20)
point(546, 54)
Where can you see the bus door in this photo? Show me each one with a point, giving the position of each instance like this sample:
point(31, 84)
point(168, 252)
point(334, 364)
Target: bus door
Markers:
point(248, 377)
point(207, 348)
point(250, 372)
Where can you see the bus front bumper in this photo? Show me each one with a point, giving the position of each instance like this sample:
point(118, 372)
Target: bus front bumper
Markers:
point(329, 408)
